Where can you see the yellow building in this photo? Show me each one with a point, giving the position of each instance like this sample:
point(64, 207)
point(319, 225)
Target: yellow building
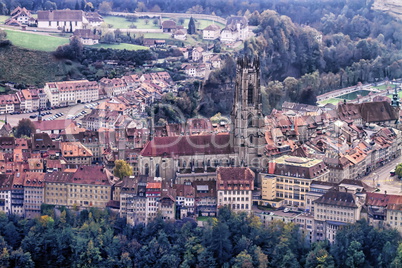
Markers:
point(88, 186)
point(289, 178)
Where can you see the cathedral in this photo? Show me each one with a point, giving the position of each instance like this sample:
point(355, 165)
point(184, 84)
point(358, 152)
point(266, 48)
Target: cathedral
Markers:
point(196, 157)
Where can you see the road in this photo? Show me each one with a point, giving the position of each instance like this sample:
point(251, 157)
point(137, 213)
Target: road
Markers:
point(382, 177)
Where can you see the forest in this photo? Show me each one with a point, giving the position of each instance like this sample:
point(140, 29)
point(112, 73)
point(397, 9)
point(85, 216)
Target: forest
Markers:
point(98, 238)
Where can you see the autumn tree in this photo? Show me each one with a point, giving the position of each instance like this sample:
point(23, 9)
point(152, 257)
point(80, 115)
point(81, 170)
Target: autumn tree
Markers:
point(122, 169)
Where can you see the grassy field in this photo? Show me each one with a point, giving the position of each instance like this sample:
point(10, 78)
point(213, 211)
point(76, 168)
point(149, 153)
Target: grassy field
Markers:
point(3, 19)
point(204, 218)
point(332, 101)
point(382, 87)
point(201, 24)
point(35, 41)
point(399, 94)
point(157, 35)
point(120, 46)
point(122, 23)
point(2, 89)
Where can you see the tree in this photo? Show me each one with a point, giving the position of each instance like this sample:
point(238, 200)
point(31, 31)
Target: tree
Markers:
point(398, 170)
point(319, 257)
point(25, 128)
point(122, 169)
point(155, 22)
point(397, 262)
point(243, 260)
point(191, 26)
point(48, 5)
point(105, 7)
point(355, 255)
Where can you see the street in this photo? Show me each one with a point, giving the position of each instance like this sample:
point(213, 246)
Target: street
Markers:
point(382, 177)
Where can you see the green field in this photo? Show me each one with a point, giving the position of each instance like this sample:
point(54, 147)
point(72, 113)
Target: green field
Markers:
point(201, 24)
point(2, 89)
point(157, 35)
point(120, 46)
point(123, 23)
point(382, 87)
point(332, 101)
point(399, 94)
point(35, 41)
point(3, 19)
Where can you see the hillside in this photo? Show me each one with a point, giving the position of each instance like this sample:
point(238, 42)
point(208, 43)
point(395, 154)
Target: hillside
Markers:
point(392, 7)
point(30, 67)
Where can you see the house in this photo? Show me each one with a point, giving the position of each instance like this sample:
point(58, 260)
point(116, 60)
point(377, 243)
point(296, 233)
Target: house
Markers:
point(196, 54)
point(114, 86)
point(87, 36)
point(180, 34)
point(216, 61)
point(169, 26)
point(19, 16)
point(94, 19)
point(191, 70)
point(236, 29)
point(211, 32)
point(65, 20)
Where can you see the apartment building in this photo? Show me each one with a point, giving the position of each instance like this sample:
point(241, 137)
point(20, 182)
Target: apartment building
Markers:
point(335, 209)
point(234, 187)
point(6, 181)
point(71, 92)
point(289, 179)
point(34, 184)
point(87, 186)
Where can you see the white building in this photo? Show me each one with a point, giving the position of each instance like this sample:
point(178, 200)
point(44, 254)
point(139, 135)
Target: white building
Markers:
point(66, 20)
point(211, 32)
point(71, 92)
point(236, 29)
point(234, 187)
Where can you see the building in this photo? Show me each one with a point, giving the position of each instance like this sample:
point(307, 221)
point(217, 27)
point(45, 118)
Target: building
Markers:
point(64, 20)
point(236, 29)
point(289, 179)
point(34, 184)
point(87, 186)
point(113, 87)
point(6, 182)
point(87, 36)
point(54, 126)
point(169, 26)
point(71, 92)
point(76, 153)
point(19, 16)
point(234, 187)
point(335, 209)
point(211, 32)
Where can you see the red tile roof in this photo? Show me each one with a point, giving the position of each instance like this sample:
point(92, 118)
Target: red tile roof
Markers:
point(188, 145)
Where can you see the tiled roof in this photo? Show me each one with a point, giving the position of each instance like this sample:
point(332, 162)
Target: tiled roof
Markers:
point(53, 125)
point(232, 177)
point(212, 27)
point(60, 15)
point(188, 145)
point(336, 198)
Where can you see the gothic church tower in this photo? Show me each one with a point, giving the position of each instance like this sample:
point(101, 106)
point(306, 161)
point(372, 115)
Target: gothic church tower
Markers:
point(248, 137)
